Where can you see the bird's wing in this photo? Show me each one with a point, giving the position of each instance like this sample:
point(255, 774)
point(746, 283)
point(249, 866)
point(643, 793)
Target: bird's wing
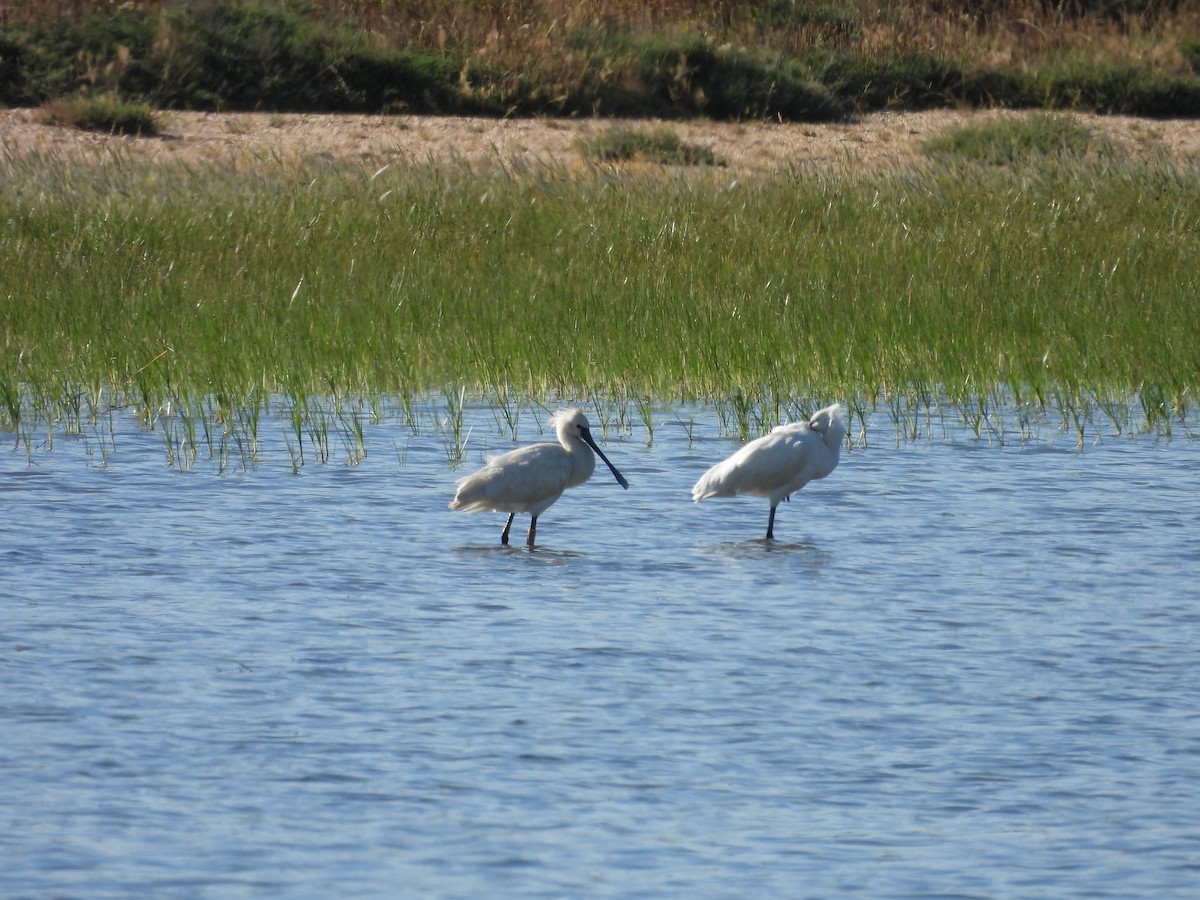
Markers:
point(779, 459)
point(515, 480)
point(757, 469)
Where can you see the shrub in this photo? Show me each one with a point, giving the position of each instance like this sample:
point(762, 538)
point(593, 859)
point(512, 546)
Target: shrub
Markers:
point(1112, 9)
point(99, 52)
point(1190, 50)
point(921, 81)
point(789, 59)
point(248, 56)
point(1020, 140)
point(832, 21)
point(692, 77)
point(102, 113)
point(1116, 88)
point(13, 63)
point(661, 145)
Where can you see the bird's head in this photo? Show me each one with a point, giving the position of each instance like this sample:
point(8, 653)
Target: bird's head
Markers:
point(828, 423)
point(571, 424)
point(570, 421)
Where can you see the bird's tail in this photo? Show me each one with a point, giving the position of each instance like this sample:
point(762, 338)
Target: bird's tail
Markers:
point(711, 484)
point(471, 492)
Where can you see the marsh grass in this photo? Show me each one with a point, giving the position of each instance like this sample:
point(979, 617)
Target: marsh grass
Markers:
point(232, 311)
point(454, 438)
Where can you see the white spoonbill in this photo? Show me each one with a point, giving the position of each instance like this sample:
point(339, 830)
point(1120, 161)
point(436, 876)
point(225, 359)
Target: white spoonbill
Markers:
point(778, 464)
point(530, 479)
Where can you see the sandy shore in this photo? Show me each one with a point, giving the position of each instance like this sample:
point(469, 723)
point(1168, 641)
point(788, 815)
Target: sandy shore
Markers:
point(244, 139)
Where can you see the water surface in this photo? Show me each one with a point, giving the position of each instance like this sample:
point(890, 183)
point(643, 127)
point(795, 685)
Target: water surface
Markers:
point(963, 669)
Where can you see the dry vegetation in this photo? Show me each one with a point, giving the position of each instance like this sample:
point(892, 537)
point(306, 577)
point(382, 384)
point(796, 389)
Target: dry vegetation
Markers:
point(249, 139)
point(1010, 33)
point(546, 48)
point(789, 59)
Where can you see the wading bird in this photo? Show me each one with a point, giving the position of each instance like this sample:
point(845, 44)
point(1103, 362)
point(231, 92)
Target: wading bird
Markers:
point(530, 479)
point(778, 464)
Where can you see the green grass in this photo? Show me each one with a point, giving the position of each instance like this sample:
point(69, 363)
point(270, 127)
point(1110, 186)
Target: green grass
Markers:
point(620, 143)
point(1065, 283)
point(1024, 139)
point(102, 113)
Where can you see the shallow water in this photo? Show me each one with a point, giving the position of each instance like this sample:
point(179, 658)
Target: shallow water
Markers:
point(961, 670)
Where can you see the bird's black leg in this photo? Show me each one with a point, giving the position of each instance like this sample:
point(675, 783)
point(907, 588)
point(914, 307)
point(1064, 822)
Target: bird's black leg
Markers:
point(532, 530)
point(771, 525)
point(507, 526)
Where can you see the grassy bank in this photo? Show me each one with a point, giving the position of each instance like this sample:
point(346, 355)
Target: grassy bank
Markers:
point(785, 59)
point(1051, 281)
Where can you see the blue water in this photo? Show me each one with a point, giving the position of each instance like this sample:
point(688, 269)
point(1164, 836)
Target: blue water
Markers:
point(963, 669)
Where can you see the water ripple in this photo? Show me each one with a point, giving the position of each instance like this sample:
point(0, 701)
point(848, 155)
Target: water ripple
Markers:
point(962, 670)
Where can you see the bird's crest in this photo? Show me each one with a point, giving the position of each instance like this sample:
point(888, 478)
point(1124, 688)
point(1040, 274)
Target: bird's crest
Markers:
point(563, 413)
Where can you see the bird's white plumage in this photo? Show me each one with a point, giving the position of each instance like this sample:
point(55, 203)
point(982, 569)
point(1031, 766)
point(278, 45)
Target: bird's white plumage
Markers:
point(530, 479)
point(778, 464)
point(526, 480)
